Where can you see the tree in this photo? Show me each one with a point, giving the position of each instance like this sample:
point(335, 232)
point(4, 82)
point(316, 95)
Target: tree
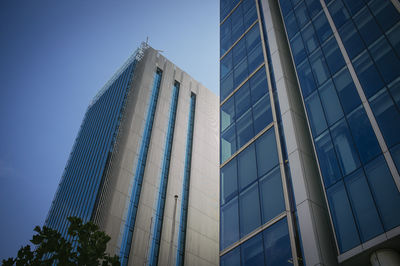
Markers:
point(87, 247)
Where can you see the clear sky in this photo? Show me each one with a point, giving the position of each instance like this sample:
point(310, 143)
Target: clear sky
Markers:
point(54, 57)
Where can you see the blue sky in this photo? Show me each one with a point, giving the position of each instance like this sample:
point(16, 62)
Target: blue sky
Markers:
point(54, 57)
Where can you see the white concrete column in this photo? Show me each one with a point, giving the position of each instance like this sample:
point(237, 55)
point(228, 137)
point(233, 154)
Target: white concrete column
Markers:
point(385, 257)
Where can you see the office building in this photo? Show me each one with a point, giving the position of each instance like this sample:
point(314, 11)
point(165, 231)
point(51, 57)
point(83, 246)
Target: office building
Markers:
point(144, 166)
point(310, 132)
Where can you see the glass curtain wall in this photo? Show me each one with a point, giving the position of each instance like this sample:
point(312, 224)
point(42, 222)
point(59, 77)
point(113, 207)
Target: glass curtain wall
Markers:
point(253, 222)
point(350, 158)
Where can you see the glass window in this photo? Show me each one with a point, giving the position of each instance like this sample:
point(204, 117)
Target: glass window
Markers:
point(250, 16)
point(322, 27)
point(228, 143)
point(310, 38)
point(262, 114)
point(267, 155)
point(342, 217)
point(385, 13)
point(291, 25)
point(301, 15)
point(353, 6)
point(298, 50)
point(242, 99)
point(229, 225)
point(367, 74)
point(314, 6)
point(363, 206)
point(338, 12)
point(387, 116)
point(330, 102)
point(277, 244)
point(319, 67)
point(364, 136)
point(272, 200)
point(394, 37)
point(286, 6)
point(226, 86)
point(232, 258)
point(229, 187)
point(247, 167)
point(384, 191)
point(315, 114)
point(226, 65)
point(249, 216)
point(244, 128)
point(344, 146)
point(240, 73)
point(348, 94)
point(255, 58)
point(367, 26)
point(239, 51)
point(327, 159)
point(258, 85)
point(386, 60)
point(227, 113)
point(253, 38)
point(333, 55)
point(306, 78)
point(225, 36)
point(237, 23)
point(252, 251)
point(351, 39)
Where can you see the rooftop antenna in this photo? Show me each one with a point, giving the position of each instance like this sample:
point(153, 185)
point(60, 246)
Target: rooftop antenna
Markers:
point(147, 40)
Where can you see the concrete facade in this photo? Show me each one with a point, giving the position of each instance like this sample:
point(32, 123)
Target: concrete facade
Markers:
point(115, 194)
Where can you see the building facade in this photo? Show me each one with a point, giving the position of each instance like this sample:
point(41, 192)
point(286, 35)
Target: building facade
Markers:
point(144, 166)
point(310, 136)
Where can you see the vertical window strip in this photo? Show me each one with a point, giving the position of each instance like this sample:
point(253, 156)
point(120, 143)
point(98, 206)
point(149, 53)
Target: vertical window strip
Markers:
point(139, 173)
point(82, 176)
point(180, 256)
point(157, 230)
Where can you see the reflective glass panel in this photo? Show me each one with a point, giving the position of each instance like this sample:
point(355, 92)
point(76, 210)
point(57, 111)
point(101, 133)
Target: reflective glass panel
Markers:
point(351, 39)
point(363, 206)
point(258, 85)
point(387, 116)
point(315, 114)
point(386, 60)
point(333, 56)
point(364, 136)
point(228, 143)
point(367, 74)
point(298, 50)
point(229, 187)
point(242, 100)
point(385, 192)
point(385, 13)
point(247, 167)
point(267, 155)
point(347, 92)
point(301, 14)
point(330, 102)
point(250, 217)
point(262, 114)
point(327, 159)
point(338, 12)
point(277, 244)
point(344, 146)
point(244, 128)
point(342, 216)
point(310, 38)
point(322, 27)
point(229, 224)
point(227, 113)
point(291, 25)
point(306, 78)
point(232, 258)
point(319, 67)
point(253, 251)
point(366, 25)
point(272, 200)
